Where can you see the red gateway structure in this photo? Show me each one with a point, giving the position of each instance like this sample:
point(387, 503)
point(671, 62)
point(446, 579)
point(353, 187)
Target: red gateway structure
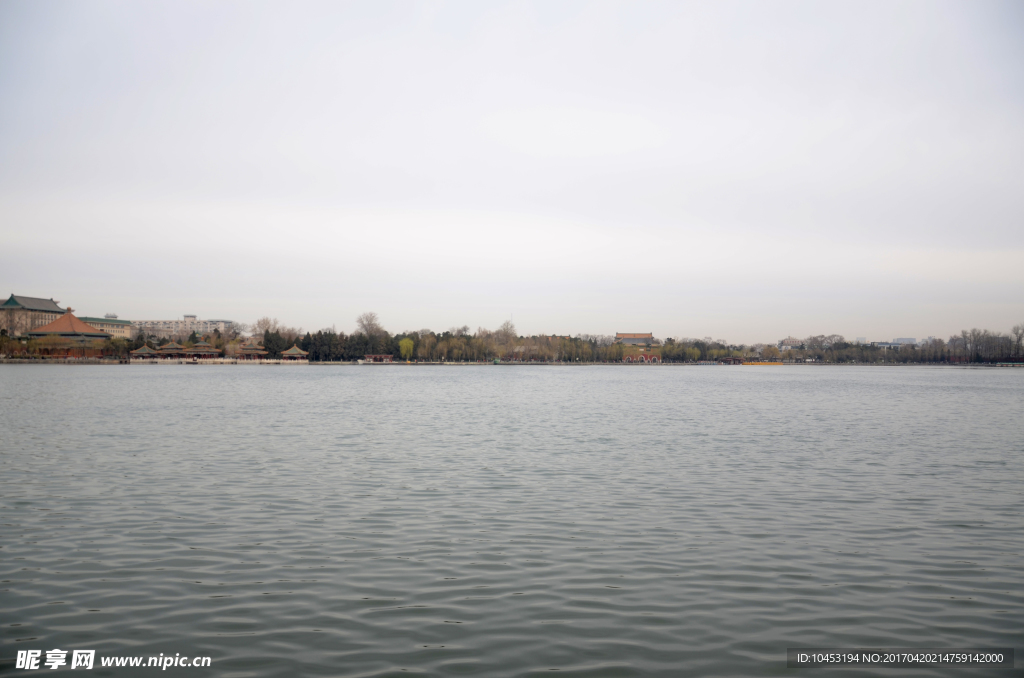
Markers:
point(642, 358)
point(642, 347)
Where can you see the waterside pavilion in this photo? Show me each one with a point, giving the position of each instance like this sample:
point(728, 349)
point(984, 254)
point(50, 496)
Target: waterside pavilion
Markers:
point(294, 354)
point(143, 353)
point(202, 349)
point(250, 351)
point(171, 350)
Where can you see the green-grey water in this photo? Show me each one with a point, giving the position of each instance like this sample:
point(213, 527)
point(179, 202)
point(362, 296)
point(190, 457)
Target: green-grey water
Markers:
point(508, 521)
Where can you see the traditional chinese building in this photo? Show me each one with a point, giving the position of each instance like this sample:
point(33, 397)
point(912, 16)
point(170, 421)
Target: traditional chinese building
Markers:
point(202, 349)
point(67, 325)
point(635, 338)
point(19, 315)
point(171, 350)
point(294, 353)
point(68, 336)
point(250, 350)
point(373, 358)
point(143, 353)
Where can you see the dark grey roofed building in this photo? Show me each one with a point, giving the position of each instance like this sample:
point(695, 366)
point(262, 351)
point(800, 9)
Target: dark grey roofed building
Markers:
point(33, 304)
point(19, 314)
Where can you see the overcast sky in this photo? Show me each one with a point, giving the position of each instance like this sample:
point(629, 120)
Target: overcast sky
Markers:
point(739, 170)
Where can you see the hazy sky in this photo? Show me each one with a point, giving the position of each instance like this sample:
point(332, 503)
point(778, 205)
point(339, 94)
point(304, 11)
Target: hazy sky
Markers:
point(741, 170)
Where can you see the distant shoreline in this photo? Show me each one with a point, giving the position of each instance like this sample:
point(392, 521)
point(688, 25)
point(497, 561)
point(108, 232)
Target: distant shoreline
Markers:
point(349, 363)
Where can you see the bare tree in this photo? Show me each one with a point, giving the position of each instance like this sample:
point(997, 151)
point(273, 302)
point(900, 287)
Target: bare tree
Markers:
point(815, 343)
point(16, 321)
point(507, 332)
point(264, 325)
point(977, 338)
point(290, 335)
point(601, 340)
point(369, 324)
point(1018, 338)
point(954, 345)
point(505, 338)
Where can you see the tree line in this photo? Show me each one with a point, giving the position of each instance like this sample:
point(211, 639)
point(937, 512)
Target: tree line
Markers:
point(969, 346)
point(459, 344)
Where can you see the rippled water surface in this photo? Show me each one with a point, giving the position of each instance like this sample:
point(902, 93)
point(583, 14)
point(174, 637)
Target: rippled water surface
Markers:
point(508, 521)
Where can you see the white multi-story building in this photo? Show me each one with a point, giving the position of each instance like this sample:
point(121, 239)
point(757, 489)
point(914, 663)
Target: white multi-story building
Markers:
point(790, 343)
point(188, 325)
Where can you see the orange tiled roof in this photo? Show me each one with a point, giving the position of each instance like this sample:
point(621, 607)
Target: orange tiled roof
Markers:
point(68, 324)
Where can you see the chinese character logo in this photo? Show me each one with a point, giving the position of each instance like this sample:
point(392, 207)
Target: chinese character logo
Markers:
point(80, 659)
point(28, 659)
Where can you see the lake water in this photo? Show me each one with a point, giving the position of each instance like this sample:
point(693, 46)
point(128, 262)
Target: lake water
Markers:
point(508, 521)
